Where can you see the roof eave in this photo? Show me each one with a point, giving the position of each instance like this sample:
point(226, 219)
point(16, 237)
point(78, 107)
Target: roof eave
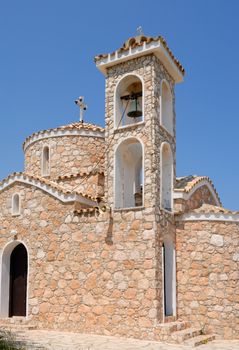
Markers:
point(156, 48)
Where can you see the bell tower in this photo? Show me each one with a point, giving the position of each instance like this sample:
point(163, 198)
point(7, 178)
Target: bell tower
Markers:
point(140, 122)
point(140, 142)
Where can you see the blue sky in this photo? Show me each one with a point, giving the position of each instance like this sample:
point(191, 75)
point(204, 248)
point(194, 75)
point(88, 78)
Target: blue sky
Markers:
point(46, 61)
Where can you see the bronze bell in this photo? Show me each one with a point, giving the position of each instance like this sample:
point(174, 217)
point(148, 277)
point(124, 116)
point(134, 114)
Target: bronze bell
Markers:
point(133, 108)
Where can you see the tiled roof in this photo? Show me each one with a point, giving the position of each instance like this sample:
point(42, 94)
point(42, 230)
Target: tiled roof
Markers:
point(35, 177)
point(187, 183)
point(139, 41)
point(82, 174)
point(208, 208)
point(21, 176)
point(68, 127)
point(80, 125)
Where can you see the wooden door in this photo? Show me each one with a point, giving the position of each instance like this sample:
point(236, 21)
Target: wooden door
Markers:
point(18, 281)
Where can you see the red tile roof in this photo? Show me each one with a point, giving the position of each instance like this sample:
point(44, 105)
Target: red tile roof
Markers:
point(45, 181)
point(72, 126)
point(187, 183)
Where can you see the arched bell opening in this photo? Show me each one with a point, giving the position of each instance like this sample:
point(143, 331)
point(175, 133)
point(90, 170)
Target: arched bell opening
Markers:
point(129, 101)
point(166, 107)
point(129, 182)
point(14, 276)
point(166, 177)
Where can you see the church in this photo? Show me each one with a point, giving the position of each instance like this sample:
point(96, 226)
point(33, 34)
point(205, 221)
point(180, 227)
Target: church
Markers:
point(98, 235)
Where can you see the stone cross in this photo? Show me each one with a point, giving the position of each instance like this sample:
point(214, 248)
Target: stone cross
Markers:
point(83, 107)
point(140, 30)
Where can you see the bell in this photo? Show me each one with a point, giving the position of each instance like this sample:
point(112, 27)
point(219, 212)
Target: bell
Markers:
point(133, 109)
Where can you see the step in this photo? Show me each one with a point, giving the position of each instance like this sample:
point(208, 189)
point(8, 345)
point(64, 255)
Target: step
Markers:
point(200, 340)
point(171, 327)
point(17, 328)
point(181, 336)
point(29, 345)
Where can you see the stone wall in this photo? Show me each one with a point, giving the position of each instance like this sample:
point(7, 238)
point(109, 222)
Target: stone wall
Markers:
point(95, 273)
point(68, 155)
point(200, 196)
point(87, 183)
point(208, 275)
point(152, 135)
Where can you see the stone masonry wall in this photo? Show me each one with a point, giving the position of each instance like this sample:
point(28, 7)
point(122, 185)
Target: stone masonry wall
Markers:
point(208, 275)
point(68, 155)
point(95, 273)
point(151, 134)
point(200, 196)
point(91, 183)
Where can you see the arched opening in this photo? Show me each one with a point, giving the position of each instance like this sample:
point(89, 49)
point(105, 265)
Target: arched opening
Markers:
point(14, 280)
point(166, 177)
point(169, 278)
point(129, 101)
point(166, 107)
point(16, 204)
point(46, 161)
point(129, 180)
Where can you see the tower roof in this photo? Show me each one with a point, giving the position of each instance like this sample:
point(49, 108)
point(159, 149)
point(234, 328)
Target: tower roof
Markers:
point(139, 46)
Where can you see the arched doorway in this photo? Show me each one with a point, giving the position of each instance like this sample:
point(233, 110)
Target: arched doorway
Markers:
point(18, 281)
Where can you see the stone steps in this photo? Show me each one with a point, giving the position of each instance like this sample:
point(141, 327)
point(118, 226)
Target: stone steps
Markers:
point(181, 336)
point(13, 327)
point(181, 332)
point(200, 340)
point(170, 327)
point(17, 330)
point(29, 345)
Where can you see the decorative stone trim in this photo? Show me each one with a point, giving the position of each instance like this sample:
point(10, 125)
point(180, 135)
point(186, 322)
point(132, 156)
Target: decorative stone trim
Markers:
point(180, 194)
point(128, 209)
point(60, 133)
point(87, 211)
point(129, 127)
point(83, 174)
point(208, 217)
point(55, 191)
point(158, 46)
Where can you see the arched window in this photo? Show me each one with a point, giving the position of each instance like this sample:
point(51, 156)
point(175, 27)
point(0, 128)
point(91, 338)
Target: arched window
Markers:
point(166, 177)
point(45, 161)
point(16, 204)
point(129, 182)
point(166, 107)
point(129, 101)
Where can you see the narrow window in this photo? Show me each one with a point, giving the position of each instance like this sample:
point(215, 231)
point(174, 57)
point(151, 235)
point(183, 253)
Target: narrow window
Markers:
point(166, 177)
point(169, 277)
point(166, 108)
point(46, 161)
point(16, 204)
point(129, 182)
point(129, 101)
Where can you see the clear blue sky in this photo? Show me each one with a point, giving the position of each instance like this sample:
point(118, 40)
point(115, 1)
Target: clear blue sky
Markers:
point(46, 61)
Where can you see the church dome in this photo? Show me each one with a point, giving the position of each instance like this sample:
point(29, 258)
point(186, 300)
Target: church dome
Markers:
point(65, 150)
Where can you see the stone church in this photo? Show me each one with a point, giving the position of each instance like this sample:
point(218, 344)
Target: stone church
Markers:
point(98, 235)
